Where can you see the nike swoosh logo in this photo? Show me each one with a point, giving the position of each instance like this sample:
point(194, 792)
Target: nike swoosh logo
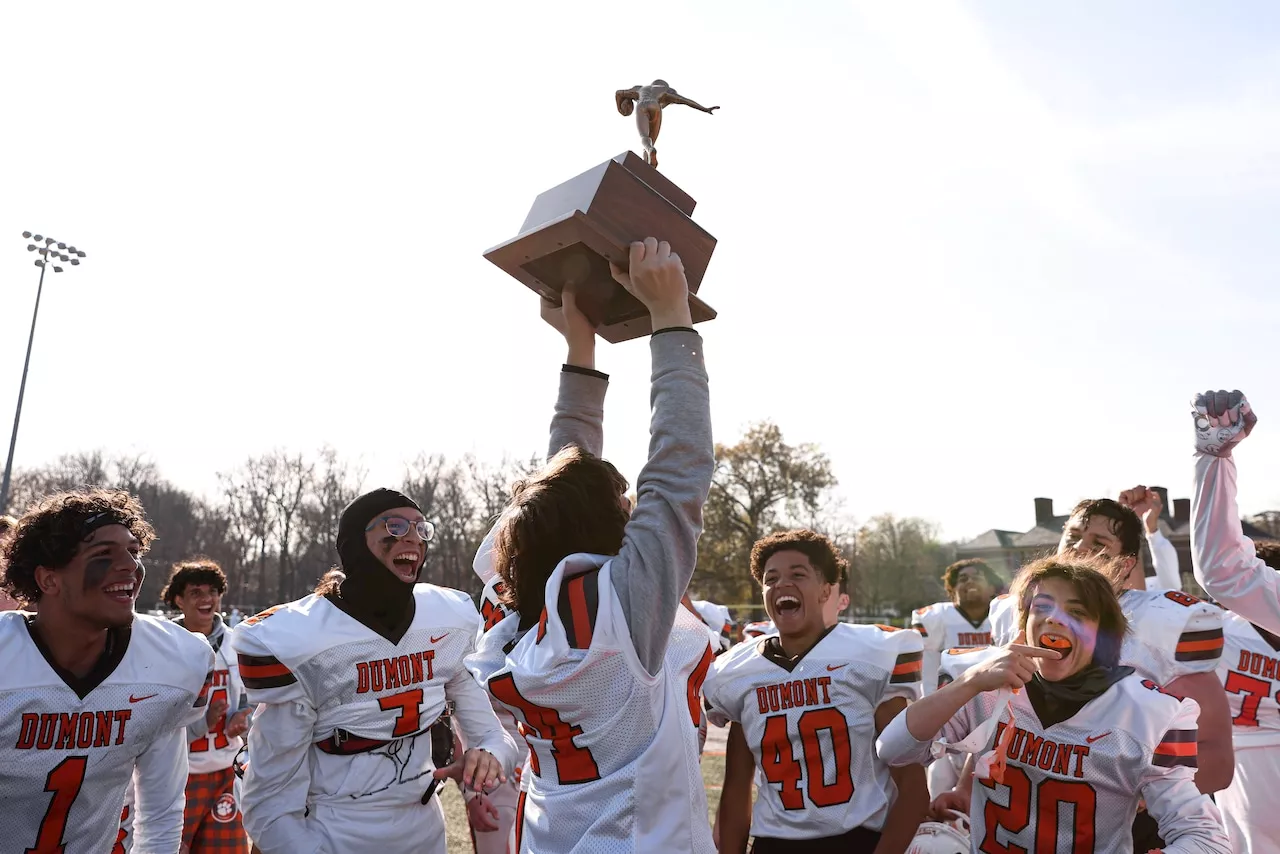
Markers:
point(133, 699)
point(1091, 739)
point(435, 639)
point(831, 667)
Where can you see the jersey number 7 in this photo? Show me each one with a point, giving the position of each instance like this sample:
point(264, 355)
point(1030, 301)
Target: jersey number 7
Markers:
point(781, 767)
point(1254, 690)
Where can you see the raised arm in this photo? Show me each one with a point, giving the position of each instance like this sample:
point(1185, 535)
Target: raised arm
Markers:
point(579, 414)
point(660, 543)
point(673, 98)
point(1222, 557)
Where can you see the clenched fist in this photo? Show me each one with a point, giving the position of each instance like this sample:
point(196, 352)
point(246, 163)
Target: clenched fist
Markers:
point(1223, 419)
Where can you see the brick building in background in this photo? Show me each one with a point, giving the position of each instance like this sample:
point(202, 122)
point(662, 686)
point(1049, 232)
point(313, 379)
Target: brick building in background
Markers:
point(1006, 551)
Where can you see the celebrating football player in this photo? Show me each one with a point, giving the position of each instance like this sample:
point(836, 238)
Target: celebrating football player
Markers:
point(1086, 734)
point(600, 663)
point(808, 704)
point(91, 691)
point(961, 621)
point(348, 682)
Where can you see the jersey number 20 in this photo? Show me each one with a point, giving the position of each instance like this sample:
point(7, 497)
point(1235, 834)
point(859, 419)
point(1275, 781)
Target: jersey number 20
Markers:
point(782, 767)
point(1050, 794)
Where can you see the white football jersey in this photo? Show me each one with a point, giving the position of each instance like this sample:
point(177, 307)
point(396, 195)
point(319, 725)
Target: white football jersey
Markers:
point(374, 700)
point(613, 749)
point(810, 723)
point(1171, 634)
point(1003, 617)
point(1075, 786)
point(69, 746)
point(1250, 672)
point(718, 619)
point(215, 751)
point(944, 626)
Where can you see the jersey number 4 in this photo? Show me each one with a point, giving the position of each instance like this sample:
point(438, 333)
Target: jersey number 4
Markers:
point(220, 740)
point(64, 782)
point(574, 763)
point(1254, 690)
point(1050, 795)
point(781, 767)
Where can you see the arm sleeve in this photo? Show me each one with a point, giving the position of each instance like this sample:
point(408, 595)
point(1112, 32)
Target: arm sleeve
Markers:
point(276, 782)
point(924, 622)
point(161, 793)
point(908, 667)
point(1222, 558)
point(1188, 820)
point(479, 726)
point(660, 543)
point(896, 746)
point(579, 415)
point(1164, 557)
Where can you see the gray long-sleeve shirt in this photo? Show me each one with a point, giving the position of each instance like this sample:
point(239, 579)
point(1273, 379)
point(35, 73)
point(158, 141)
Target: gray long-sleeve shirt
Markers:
point(659, 546)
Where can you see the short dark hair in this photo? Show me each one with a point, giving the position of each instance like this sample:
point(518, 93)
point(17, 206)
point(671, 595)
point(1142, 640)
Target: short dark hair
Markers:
point(822, 553)
point(1122, 521)
point(52, 530)
point(1269, 552)
point(572, 504)
point(1092, 584)
point(951, 573)
point(196, 570)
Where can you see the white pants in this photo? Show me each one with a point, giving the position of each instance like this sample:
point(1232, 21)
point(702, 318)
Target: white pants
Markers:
point(411, 829)
point(1251, 804)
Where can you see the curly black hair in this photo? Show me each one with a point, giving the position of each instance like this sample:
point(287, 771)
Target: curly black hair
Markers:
point(196, 570)
point(52, 530)
point(952, 573)
point(822, 553)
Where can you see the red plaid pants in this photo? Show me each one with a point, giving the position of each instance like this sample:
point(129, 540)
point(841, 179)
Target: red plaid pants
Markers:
point(211, 821)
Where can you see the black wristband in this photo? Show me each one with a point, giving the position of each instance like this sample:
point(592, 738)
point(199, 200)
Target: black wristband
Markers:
point(588, 372)
point(675, 329)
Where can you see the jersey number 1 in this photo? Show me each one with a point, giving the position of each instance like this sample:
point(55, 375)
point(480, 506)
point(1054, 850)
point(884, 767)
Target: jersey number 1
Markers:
point(781, 767)
point(64, 781)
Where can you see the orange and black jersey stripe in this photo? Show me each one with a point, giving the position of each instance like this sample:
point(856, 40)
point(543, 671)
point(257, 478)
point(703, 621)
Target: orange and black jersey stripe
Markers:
point(579, 600)
point(202, 699)
point(1199, 646)
point(908, 668)
point(260, 672)
point(1178, 747)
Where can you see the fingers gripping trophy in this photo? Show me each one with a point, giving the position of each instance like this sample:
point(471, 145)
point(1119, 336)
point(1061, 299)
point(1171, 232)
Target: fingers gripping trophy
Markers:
point(581, 237)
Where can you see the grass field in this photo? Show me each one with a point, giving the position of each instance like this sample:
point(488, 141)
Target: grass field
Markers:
point(455, 811)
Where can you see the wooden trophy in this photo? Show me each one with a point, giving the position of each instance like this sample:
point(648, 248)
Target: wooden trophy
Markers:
point(575, 230)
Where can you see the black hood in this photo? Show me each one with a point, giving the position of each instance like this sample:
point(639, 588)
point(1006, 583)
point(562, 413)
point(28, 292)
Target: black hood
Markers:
point(370, 592)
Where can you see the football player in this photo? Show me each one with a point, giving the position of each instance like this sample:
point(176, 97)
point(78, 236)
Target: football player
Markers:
point(348, 682)
point(1072, 754)
point(807, 705)
point(213, 821)
point(961, 621)
point(599, 662)
point(1250, 673)
point(1222, 557)
point(91, 691)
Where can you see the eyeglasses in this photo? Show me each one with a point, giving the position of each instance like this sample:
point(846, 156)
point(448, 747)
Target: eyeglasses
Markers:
point(398, 527)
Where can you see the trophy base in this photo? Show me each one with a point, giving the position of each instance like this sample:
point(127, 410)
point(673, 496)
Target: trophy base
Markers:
point(575, 230)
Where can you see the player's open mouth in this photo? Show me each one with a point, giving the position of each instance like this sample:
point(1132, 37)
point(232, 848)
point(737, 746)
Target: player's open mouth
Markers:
point(786, 604)
point(406, 564)
point(121, 592)
point(205, 610)
point(1049, 640)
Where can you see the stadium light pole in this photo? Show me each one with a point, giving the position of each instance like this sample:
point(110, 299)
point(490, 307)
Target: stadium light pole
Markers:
point(50, 252)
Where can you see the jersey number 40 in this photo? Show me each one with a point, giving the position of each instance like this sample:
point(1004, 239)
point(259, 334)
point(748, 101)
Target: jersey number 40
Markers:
point(784, 769)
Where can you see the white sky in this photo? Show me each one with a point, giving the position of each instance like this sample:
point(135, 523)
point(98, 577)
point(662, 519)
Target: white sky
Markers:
point(979, 252)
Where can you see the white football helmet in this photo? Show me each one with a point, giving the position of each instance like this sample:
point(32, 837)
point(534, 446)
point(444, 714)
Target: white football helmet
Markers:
point(936, 837)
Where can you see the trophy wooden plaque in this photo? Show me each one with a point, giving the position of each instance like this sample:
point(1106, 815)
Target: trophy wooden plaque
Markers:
point(574, 230)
